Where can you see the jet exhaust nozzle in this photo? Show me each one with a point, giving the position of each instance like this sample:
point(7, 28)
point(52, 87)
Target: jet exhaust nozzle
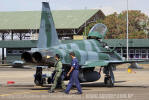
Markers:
point(27, 57)
point(37, 57)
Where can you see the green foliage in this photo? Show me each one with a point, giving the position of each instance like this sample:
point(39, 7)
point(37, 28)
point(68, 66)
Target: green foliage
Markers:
point(89, 26)
point(116, 23)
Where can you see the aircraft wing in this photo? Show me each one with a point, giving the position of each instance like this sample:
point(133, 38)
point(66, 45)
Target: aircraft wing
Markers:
point(106, 62)
point(125, 61)
point(95, 63)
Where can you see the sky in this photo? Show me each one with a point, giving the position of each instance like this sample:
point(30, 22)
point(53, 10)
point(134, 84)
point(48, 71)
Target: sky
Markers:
point(107, 6)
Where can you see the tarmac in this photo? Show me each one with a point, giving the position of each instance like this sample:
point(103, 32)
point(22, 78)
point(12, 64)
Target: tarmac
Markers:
point(128, 86)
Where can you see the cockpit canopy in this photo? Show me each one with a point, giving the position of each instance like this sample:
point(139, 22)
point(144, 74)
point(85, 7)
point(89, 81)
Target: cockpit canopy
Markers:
point(98, 31)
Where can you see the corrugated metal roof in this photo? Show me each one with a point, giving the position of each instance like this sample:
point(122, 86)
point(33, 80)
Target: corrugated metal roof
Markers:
point(132, 42)
point(110, 42)
point(121, 42)
point(64, 19)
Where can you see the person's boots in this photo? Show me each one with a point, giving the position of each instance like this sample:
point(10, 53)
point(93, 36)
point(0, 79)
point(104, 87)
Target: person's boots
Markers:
point(51, 91)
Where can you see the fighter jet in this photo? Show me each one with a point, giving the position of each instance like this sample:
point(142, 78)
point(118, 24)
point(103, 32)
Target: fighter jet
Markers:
point(91, 52)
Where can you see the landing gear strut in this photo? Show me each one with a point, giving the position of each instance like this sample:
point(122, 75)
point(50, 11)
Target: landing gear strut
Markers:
point(39, 80)
point(109, 76)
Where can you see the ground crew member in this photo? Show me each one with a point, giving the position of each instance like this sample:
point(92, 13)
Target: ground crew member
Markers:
point(74, 75)
point(57, 76)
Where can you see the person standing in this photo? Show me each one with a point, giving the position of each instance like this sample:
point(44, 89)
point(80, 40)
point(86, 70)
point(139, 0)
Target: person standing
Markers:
point(57, 76)
point(74, 75)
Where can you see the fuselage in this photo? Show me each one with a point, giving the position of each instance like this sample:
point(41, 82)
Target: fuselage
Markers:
point(85, 50)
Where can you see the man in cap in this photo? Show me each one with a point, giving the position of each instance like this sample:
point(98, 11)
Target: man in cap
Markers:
point(74, 75)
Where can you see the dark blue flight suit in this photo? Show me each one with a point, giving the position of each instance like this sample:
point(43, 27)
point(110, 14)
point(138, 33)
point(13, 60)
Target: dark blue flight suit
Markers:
point(74, 77)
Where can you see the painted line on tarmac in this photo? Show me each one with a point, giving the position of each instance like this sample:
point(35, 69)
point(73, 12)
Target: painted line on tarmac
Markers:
point(15, 93)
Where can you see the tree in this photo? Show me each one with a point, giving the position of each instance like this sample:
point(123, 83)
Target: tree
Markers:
point(136, 23)
point(116, 24)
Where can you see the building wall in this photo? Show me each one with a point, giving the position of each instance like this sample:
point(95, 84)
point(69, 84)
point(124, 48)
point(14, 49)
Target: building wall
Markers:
point(134, 53)
point(13, 54)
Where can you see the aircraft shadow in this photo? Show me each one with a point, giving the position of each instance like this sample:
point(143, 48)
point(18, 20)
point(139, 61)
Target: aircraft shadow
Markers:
point(60, 89)
point(99, 84)
point(20, 86)
point(21, 67)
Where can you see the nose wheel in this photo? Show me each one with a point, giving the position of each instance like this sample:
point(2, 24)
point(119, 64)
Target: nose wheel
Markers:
point(108, 81)
point(109, 76)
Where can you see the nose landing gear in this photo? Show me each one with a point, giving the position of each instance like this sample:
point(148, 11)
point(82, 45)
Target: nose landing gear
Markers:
point(108, 81)
point(109, 76)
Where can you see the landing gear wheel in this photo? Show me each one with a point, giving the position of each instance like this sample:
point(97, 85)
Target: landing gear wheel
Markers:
point(38, 77)
point(37, 82)
point(108, 82)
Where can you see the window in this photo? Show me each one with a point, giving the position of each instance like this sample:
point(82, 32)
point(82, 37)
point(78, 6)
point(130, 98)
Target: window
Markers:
point(148, 53)
point(137, 53)
point(9, 51)
point(131, 56)
point(15, 51)
point(20, 51)
point(131, 51)
point(124, 55)
point(124, 51)
point(137, 56)
point(143, 53)
point(118, 51)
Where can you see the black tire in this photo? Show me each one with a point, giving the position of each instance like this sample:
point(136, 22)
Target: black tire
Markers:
point(49, 80)
point(105, 80)
point(44, 80)
point(108, 82)
point(38, 77)
point(38, 83)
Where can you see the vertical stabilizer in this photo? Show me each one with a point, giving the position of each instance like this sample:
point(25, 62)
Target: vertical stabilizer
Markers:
point(47, 32)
